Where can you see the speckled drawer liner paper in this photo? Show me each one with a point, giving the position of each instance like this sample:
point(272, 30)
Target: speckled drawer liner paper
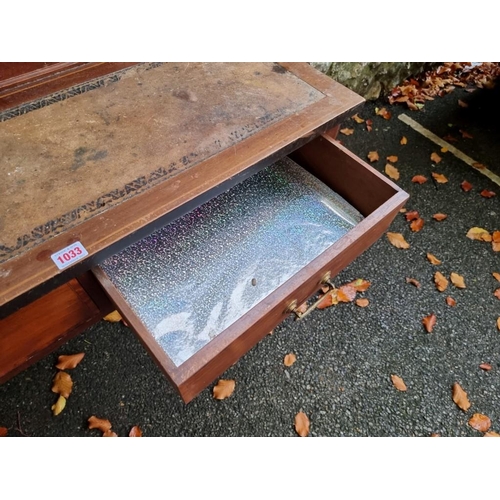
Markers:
point(190, 280)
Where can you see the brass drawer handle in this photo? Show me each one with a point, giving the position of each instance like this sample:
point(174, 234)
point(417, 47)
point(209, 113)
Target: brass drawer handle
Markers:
point(292, 307)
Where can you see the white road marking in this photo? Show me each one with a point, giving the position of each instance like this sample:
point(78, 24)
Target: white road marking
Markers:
point(452, 149)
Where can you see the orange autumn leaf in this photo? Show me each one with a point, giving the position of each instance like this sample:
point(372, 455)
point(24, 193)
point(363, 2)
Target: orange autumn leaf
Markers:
point(435, 158)
point(440, 281)
point(360, 285)
point(439, 217)
point(496, 293)
point(480, 422)
point(433, 259)
point(403, 141)
point(302, 424)
point(398, 383)
point(392, 159)
point(413, 281)
point(369, 124)
point(451, 301)
point(478, 233)
point(62, 384)
point(347, 131)
point(466, 186)
point(444, 150)
point(384, 113)
point(3, 431)
point(397, 240)
point(460, 397)
point(496, 241)
point(59, 406)
point(68, 362)
point(224, 389)
point(440, 178)
point(373, 156)
point(329, 299)
point(496, 276)
point(417, 225)
point(290, 359)
point(102, 424)
point(302, 308)
point(362, 302)
point(485, 193)
point(135, 432)
point(113, 317)
point(429, 322)
point(419, 179)
point(457, 280)
point(412, 215)
point(346, 293)
point(491, 434)
point(391, 171)
point(357, 118)
point(110, 434)
point(485, 366)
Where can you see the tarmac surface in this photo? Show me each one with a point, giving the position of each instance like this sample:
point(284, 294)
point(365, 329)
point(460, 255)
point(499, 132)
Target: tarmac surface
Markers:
point(345, 354)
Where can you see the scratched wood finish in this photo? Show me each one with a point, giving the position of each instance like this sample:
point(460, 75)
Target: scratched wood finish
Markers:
point(94, 157)
point(375, 196)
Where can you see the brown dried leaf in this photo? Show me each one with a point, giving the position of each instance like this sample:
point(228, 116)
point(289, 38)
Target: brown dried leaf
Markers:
point(360, 285)
point(419, 179)
point(462, 104)
point(392, 159)
point(302, 308)
point(402, 210)
point(417, 225)
point(435, 158)
point(457, 280)
point(3, 431)
point(302, 424)
point(466, 186)
point(113, 317)
point(478, 166)
point(491, 434)
point(403, 141)
point(62, 384)
point(347, 131)
point(398, 383)
point(444, 150)
point(485, 193)
point(68, 362)
point(102, 424)
point(373, 156)
point(110, 434)
point(290, 359)
point(460, 397)
point(435, 435)
point(397, 240)
point(496, 241)
point(59, 406)
point(392, 172)
point(440, 281)
point(329, 299)
point(429, 322)
point(369, 124)
point(439, 217)
point(465, 135)
point(224, 389)
point(498, 323)
point(412, 215)
point(478, 233)
point(346, 293)
point(357, 119)
point(439, 178)
point(496, 276)
point(485, 366)
point(451, 301)
point(480, 422)
point(433, 259)
point(413, 281)
point(362, 302)
point(496, 293)
point(135, 432)
point(384, 113)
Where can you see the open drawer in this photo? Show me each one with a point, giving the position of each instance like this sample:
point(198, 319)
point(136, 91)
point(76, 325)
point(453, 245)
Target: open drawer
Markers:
point(198, 318)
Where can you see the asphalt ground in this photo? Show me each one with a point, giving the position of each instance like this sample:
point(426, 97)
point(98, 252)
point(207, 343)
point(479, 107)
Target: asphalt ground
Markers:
point(345, 354)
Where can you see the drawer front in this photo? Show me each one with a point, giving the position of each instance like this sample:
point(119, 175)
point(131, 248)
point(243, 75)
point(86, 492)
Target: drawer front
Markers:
point(376, 198)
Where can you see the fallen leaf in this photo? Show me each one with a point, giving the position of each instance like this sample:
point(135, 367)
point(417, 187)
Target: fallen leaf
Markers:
point(496, 293)
point(439, 178)
point(302, 424)
point(403, 141)
point(413, 281)
point(417, 225)
point(62, 384)
point(397, 240)
point(357, 119)
point(59, 406)
point(362, 302)
point(402, 210)
point(433, 259)
point(135, 432)
point(465, 135)
point(290, 359)
point(444, 150)
point(102, 424)
point(496, 241)
point(373, 156)
point(485, 193)
point(451, 301)
point(462, 104)
point(491, 434)
point(485, 366)
point(435, 158)
point(110, 434)
point(419, 179)
point(392, 159)
point(440, 281)
point(113, 317)
point(450, 138)
point(412, 215)
point(360, 285)
point(466, 186)
point(478, 166)
point(68, 362)
point(391, 171)
point(329, 299)
point(496, 276)
point(457, 280)
point(302, 308)
point(398, 383)
point(346, 293)
point(347, 131)
point(460, 397)
point(478, 233)
point(480, 422)
point(369, 124)
point(224, 389)
point(384, 113)
point(3, 431)
point(498, 323)
point(439, 217)
point(435, 435)
point(429, 322)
